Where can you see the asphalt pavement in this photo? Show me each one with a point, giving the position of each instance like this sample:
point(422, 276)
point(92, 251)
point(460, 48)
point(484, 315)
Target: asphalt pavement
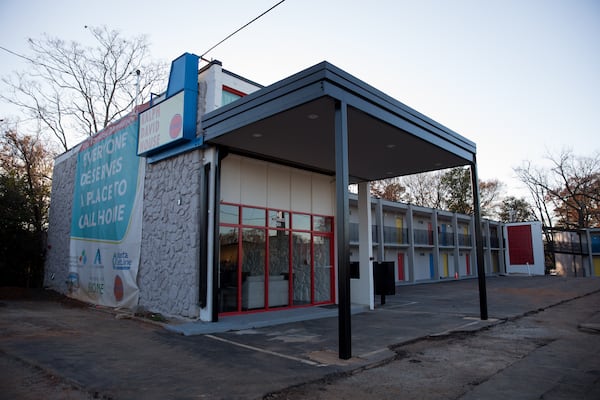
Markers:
point(107, 354)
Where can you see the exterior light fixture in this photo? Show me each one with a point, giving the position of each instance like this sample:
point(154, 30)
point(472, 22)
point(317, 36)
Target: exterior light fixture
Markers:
point(257, 135)
point(312, 116)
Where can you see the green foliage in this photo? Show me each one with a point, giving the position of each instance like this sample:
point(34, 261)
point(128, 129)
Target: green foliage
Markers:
point(25, 168)
point(21, 258)
point(515, 209)
point(445, 189)
point(457, 186)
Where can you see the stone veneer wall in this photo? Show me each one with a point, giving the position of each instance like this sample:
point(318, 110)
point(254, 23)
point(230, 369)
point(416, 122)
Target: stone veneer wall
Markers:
point(168, 273)
point(61, 203)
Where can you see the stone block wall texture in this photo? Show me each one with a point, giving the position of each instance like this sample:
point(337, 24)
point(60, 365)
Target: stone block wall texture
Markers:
point(168, 273)
point(61, 203)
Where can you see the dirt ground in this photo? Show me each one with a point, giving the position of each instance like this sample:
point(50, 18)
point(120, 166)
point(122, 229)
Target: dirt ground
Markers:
point(462, 365)
point(447, 367)
point(450, 367)
point(27, 382)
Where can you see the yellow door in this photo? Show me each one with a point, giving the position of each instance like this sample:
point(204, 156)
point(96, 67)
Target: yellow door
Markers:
point(445, 262)
point(399, 226)
point(597, 265)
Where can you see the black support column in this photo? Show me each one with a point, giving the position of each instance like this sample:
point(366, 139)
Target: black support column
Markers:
point(216, 241)
point(204, 235)
point(342, 231)
point(479, 242)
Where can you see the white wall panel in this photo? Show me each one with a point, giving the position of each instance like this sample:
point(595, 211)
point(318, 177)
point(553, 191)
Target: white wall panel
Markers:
point(322, 194)
point(254, 182)
point(301, 191)
point(422, 265)
point(278, 184)
point(231, 179)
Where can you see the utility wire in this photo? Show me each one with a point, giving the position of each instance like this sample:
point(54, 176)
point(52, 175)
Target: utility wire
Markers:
point(230, 35)
point(16, 54)
point(37, 62)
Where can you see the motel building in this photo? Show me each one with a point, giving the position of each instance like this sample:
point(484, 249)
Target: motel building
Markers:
point(222, 197)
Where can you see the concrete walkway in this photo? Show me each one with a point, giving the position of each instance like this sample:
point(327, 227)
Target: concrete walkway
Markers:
point(258, 320)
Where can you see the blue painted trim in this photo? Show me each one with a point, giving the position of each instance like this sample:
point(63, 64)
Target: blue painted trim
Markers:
point(174, 151)
point(183, 74)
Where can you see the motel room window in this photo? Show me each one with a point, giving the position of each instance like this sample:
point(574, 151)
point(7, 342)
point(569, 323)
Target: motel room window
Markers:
point(273, 259)
point(229, 95)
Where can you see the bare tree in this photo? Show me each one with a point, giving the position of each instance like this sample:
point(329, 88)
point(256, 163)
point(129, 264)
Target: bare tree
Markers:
point(72, 90)
point(424, 189)
point(568, 192)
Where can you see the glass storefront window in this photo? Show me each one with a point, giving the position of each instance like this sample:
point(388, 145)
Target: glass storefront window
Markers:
point(253, 252)
point(273, 258)
point(228, 269)
point(323, 267)
point(321, 224)
point(279, 252)
point(253, 216)
point(229, 214)
point(279, 219)
point(301, 222)
point(253, 268)
point(301, 267)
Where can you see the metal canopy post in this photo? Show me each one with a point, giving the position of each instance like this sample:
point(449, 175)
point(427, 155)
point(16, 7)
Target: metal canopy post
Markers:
point(342, 229)
point(216, 240)
point(479, 242)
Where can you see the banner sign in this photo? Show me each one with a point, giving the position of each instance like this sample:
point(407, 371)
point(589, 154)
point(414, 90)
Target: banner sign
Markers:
point(106, 221)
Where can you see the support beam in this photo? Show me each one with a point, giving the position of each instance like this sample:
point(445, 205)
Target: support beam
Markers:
point(479, 243)
point(342, 229)
point(411, 243)
point(204, 223)
point(379, 224)
point(362, 289)
point(216, 241)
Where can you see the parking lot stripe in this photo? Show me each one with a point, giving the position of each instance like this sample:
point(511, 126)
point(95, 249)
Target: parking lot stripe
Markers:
point(245, 346)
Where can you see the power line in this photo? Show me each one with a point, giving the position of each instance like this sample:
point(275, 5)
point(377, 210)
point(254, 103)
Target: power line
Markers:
point(230, 35)
point(37, 62)
point(16, 54)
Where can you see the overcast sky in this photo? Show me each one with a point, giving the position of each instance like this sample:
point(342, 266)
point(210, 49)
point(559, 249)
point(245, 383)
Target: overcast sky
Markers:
point(520, 78)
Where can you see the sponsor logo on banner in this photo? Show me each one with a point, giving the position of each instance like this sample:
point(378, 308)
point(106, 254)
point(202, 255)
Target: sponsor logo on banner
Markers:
point(118, 288)
point(121, 261)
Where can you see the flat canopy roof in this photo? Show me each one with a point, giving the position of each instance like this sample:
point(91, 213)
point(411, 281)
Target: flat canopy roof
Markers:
point(292, 122)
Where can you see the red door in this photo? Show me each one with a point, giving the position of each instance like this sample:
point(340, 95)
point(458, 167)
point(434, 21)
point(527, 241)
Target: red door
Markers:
point(400, 266)
point(468, 260)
